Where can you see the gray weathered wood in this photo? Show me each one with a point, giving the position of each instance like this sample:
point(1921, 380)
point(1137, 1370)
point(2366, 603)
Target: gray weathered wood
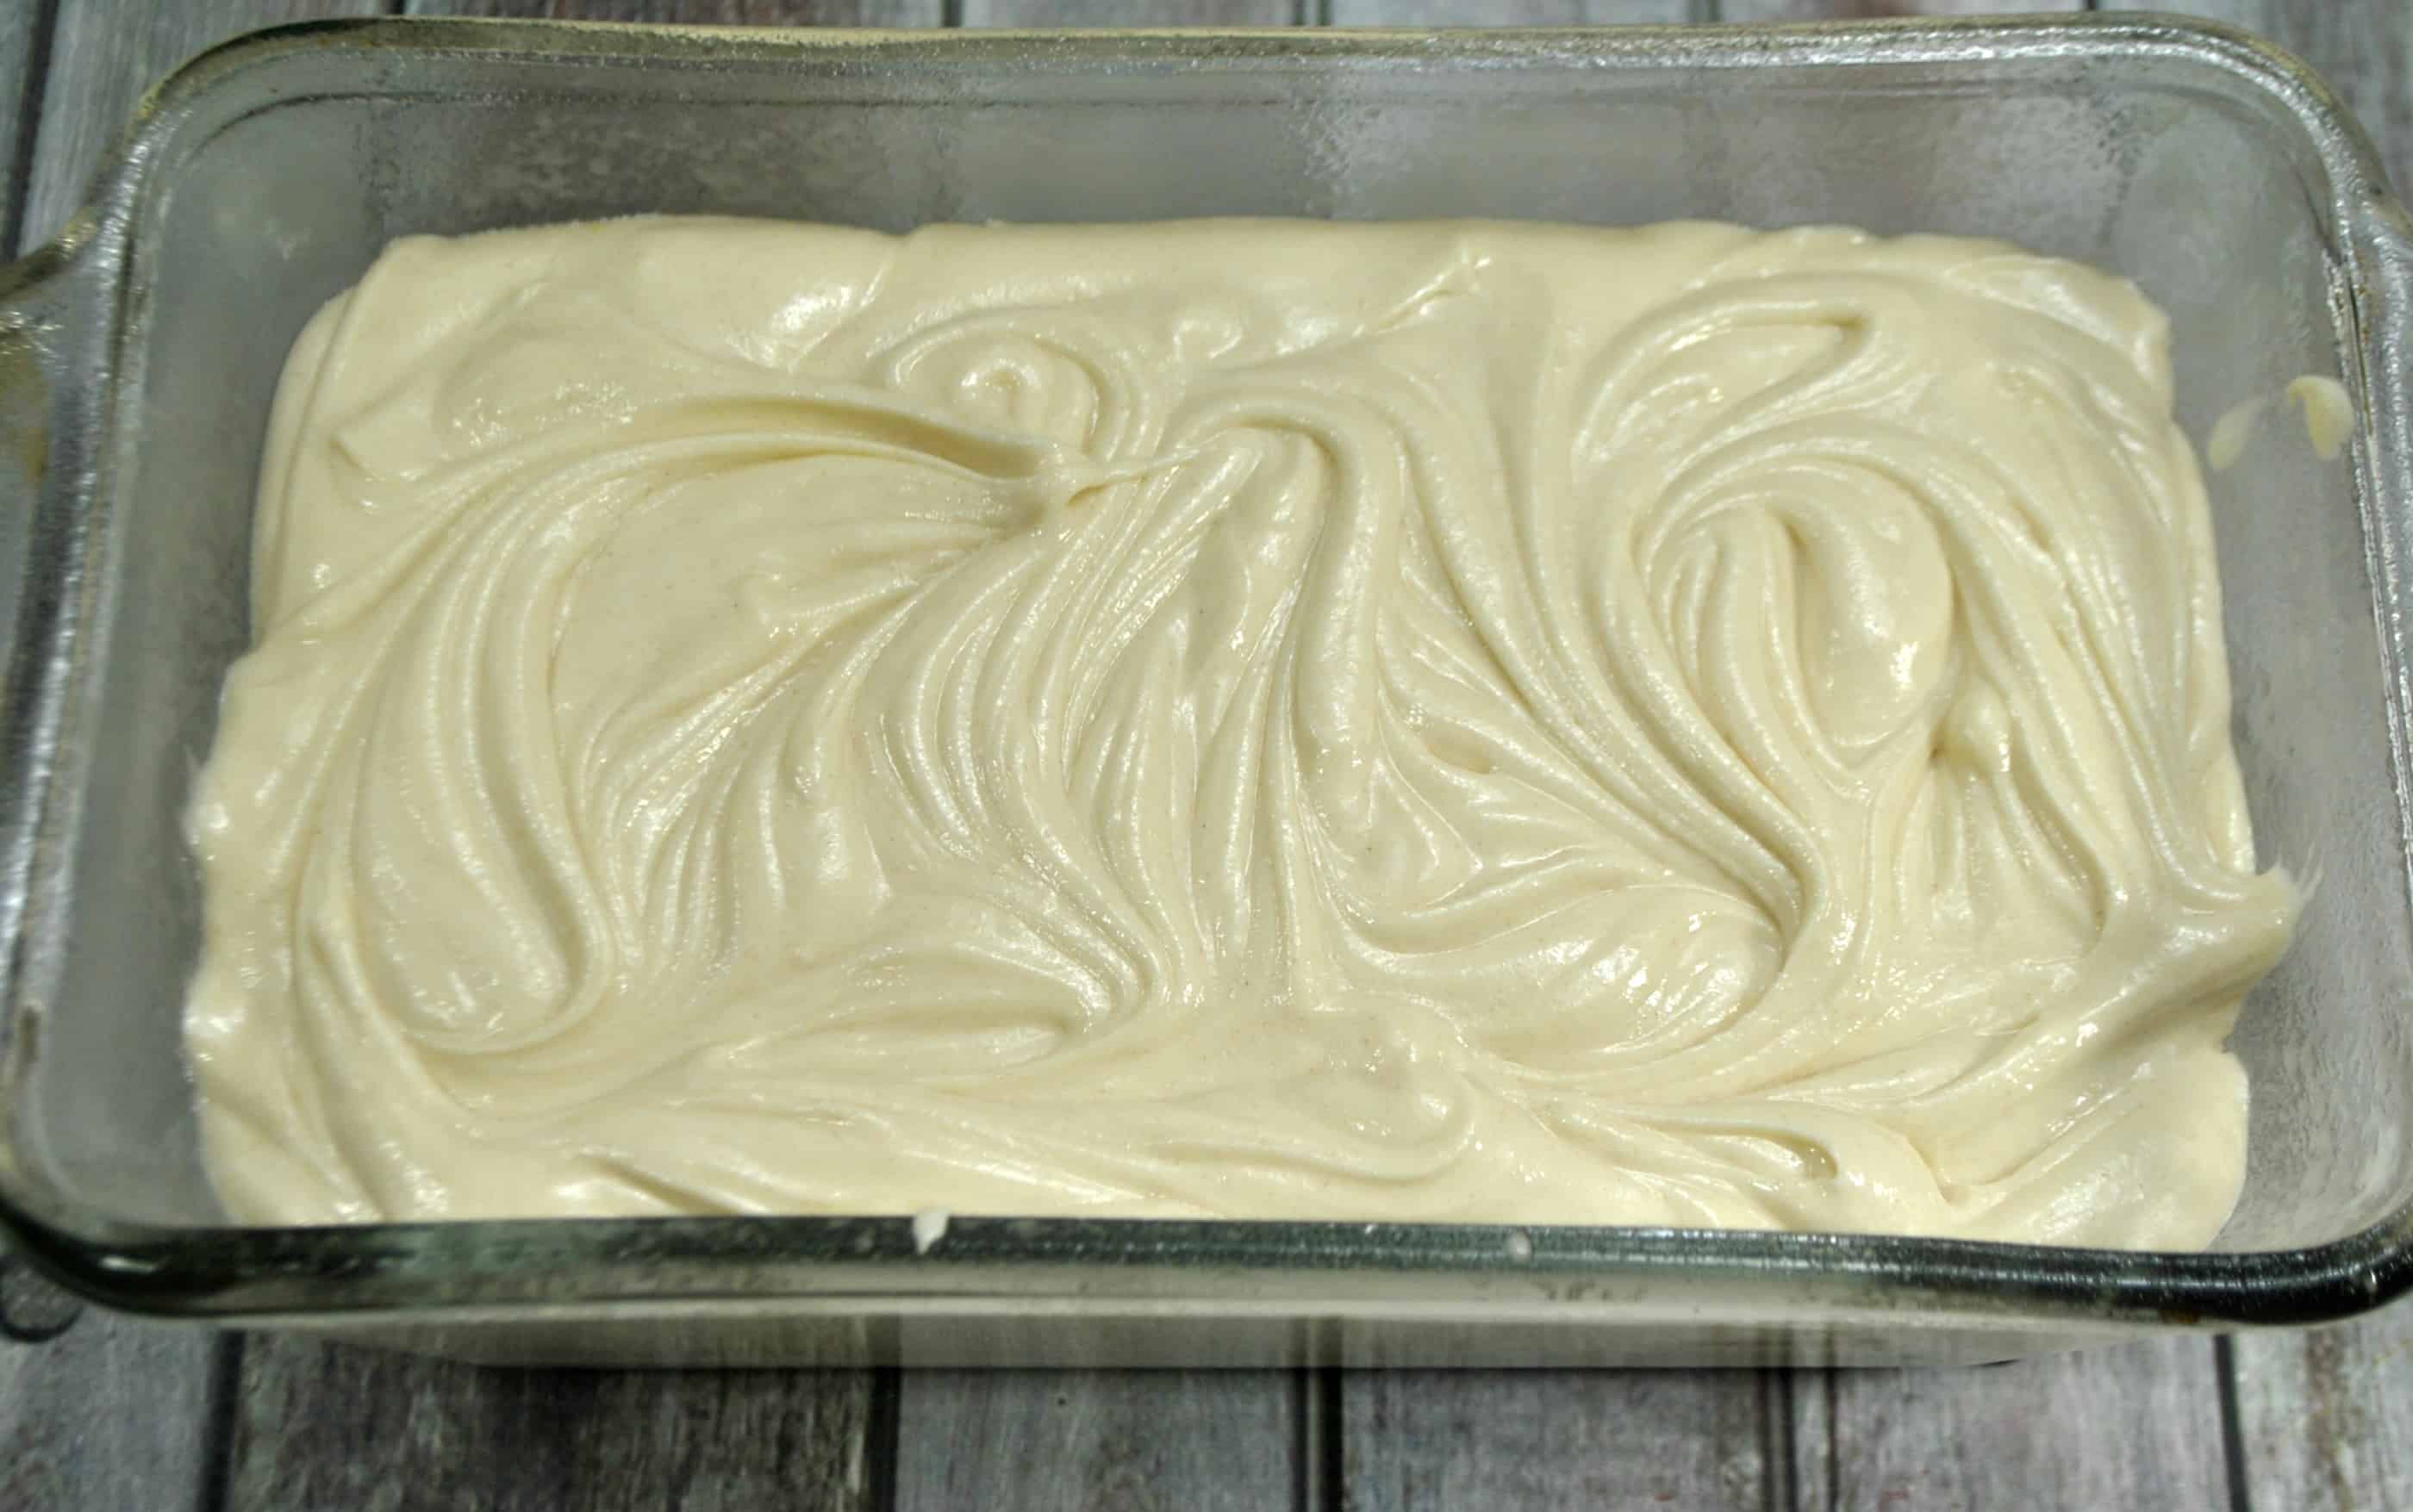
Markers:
point(2136, 1426)
point(1033, 1440)
point(1413, 1441)
point(2322, 1416)
point(112, 1413)
point(104, 53)
point(2254, 15)
point(702, 12)
point(1523, 13)
point(323, 1425)
point(31, 1310)
point(1831, 9)
point(1131, 12)
point(2364, 47)
point(19, 25)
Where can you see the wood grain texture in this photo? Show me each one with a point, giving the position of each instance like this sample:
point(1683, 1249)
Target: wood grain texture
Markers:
point(2254, 15)
point(1422, 1440)
point(2136, 1426)
point(21, 26)
point(702, 13)
point(1156, 1441)
point(1133, 12)
point(104, 53)
point(1521, 13)
point(2322, 1416)
point(31, 1310)
point(1834, 9)
point(325, 1425)
point(2364, 47)
point(112, 1413)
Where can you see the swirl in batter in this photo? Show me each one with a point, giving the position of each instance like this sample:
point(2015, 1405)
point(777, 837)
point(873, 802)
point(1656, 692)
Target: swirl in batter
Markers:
point(1421, 722)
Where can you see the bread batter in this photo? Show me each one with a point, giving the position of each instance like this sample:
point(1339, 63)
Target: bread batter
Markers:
point(1417, 722)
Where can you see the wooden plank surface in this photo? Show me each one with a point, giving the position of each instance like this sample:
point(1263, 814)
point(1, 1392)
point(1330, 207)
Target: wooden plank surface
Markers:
point(1522, 13)
point(2364, 47)
point(323, 1425)
point(109, 1412)
point(2323, 1417)
point(2254, 15)
point(1832, 9)
point(104, 53)
point(1154, 1441)
point(1418, 1441)
point(702, 13)
point(1131, 13)
point(2137, 1427)
point(22, 28)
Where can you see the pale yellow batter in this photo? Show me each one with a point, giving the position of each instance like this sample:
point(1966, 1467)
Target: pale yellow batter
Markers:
point(1488, 722)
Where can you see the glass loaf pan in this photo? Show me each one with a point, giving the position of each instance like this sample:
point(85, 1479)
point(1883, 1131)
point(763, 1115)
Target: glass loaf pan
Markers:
point(137, 358)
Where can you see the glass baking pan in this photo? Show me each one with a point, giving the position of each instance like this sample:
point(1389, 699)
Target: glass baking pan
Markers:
point(137, 358)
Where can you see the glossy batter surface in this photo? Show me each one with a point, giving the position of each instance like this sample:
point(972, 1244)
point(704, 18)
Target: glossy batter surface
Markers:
point(1681, 725)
